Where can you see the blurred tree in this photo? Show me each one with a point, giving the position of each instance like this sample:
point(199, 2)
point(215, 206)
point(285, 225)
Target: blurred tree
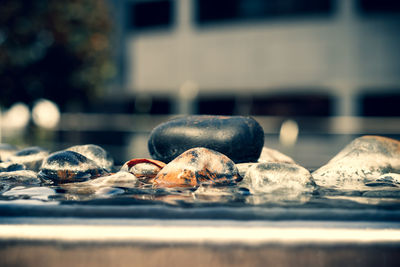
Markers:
point(55, 49)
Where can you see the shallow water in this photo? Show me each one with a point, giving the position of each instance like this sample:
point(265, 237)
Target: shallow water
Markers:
point(100, 199)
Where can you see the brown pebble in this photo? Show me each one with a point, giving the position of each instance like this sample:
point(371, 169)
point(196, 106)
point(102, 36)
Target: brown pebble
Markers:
point(198, 166)
point(144, 169)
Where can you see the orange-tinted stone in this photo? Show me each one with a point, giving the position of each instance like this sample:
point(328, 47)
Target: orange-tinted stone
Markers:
point(198, 166)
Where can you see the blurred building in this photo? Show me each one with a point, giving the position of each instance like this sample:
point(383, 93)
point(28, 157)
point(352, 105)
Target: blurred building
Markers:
point(276, 57)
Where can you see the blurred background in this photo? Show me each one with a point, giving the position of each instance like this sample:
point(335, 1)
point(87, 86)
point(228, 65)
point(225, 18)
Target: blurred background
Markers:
point(314, 73)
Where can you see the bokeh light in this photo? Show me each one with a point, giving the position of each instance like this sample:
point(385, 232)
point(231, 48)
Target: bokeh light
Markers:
point(16, 117)
point(45, 114)
point(289, 133)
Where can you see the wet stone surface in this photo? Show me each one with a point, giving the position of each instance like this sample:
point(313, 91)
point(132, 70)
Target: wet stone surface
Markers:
point(144, 169)
point(31, 157)
point(268, 155)
point(198, 166)
point(361, 162)
point(279, 180)
point(95, 153)
point(239, 138)
point(69, 166)
point(9, 166)
point(387, 179)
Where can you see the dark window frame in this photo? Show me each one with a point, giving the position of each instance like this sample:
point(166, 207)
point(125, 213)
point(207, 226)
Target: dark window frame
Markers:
point(151, 15)
point(209, 12)
point(378, 7)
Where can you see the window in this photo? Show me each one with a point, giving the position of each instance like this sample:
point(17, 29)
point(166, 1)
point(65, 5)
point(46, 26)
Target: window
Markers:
point(380, 104)
point(378, 6)
point(150, 14)
point(210, 11)
point(216, 106)
point(292, 105)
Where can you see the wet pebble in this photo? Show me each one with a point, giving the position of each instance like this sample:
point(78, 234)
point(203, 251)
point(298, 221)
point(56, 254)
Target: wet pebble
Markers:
point(267, 155)
point(361, 162)
point(239, 138)
point(285, 180)
point(95, 153)
point(198, 166)
point(31, 157)
point(9, 166)
point(144, 169)
point(69, 166)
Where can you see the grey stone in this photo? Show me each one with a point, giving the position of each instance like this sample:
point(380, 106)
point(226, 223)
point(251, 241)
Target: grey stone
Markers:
point(9, 166)
point(279, 180)
point(361, 162)
point(31, 157)
point(69, 166)
point(95, 153)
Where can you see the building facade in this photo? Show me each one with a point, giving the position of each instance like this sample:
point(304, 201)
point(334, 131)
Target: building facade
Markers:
point(335, 53)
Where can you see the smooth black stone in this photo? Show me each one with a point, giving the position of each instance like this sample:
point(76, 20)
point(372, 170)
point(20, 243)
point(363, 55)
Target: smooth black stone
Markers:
point(239, 138)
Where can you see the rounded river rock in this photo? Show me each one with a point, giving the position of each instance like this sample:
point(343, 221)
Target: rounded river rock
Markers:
point(69, 166)
point(95, 153)
point(287, 178)
point(361, 162)
point(239, 138)
point(198, 166)
point(144, 169)
point(31, 157)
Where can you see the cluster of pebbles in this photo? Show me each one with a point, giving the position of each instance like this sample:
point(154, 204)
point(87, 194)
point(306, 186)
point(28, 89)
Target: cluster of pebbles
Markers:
point(201, 158)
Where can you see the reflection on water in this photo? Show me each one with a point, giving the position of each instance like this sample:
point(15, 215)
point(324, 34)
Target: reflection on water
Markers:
point(102, 193)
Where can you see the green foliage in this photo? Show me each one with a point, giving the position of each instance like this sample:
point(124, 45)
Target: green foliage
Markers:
point(56, 49)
